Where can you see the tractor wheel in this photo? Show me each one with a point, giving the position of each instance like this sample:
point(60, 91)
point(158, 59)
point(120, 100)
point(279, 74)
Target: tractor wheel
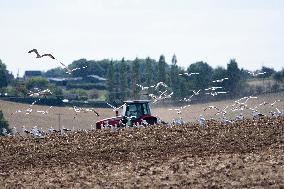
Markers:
point(151, 121)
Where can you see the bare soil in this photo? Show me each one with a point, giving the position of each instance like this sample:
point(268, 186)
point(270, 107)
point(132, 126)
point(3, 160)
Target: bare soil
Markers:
point(246, 154)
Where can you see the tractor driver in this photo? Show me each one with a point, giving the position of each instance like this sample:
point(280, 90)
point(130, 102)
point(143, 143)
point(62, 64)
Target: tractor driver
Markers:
point(134, 110)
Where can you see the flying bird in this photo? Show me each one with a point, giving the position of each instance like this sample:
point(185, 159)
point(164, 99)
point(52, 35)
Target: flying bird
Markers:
point(220, 80)
point(40, 56)
point(178, 110)
point(188, 74)
point(254, 74)
point(69, 71)
point(142, 87)
point(196, 92)
point(115, 108)
point(216, 93)
point(96, 112)
point(213, 88)
point(272, 104)
point(161, 84)
point(223, 111)
point(211, 107)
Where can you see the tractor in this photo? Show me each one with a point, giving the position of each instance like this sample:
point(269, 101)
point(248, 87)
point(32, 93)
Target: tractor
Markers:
point(133, 112)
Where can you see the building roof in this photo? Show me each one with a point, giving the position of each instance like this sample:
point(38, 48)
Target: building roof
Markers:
point(97, 77)
point(32, 73)
point(136, 101)
point(64, 79)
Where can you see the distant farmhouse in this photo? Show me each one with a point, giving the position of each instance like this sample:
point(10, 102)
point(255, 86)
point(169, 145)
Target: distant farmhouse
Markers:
point(30, 74)
point(64, 80)
point(96, 78)
point(86, 82)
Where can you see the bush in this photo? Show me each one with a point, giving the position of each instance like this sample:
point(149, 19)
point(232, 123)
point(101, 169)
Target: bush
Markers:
point(86, 86)
point(3, 124)
point(80, 93)
point(57, 91)
point(11, 91)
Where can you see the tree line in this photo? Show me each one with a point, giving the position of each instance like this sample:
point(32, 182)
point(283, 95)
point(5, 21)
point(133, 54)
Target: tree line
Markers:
point(124, 75)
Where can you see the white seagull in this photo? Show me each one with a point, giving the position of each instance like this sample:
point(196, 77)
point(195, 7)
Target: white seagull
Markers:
point(220, 80)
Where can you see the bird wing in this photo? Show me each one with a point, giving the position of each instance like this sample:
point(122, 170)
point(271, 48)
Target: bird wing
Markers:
point(121, 106)
point(68, 70)
point(96, 113)
point(49, 55)
point(225, 108)
point(139, 85)
point(111, 106)
point(62, 64)
point(35, 51)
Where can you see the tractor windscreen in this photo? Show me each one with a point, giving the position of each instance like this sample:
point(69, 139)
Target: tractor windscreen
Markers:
point(137, 110)
point(146, 109)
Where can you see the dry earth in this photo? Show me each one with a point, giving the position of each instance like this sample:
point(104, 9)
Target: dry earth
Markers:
point(246, 154)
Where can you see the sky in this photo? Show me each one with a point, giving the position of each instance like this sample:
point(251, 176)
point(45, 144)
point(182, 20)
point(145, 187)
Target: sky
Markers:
point(214, 31)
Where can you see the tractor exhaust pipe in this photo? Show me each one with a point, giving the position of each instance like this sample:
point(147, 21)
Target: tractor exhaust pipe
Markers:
point(116, 113)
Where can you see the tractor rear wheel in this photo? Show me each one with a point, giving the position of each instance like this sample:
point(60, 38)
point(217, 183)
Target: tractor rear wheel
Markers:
point(151, 121)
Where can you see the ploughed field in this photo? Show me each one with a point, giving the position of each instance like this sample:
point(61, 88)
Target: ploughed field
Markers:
point(247, 153)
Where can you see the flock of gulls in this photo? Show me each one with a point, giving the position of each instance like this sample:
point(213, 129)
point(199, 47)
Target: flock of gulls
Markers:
point(160, 92)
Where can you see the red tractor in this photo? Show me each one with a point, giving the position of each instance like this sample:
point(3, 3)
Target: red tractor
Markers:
point(133, 112)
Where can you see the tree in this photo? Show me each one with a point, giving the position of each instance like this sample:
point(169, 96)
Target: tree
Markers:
point(117, 91)
point(3, 75)
point(37, 82)
point(81, 67)
point(162, 69)
point(123, 80)
point(245, 74)
point(174, 60)
point(135, 78)
point(3, 124)
point(80, 93)
point(204, 78)
point(149, 72)
point(56, 72)
point(268, 71)
point(234, 75)
point(57, 91)
point(174, 78)
point(110, 83)
point(278, 77)
point(219, 73)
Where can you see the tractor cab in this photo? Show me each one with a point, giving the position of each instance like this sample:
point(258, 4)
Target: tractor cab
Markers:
point(136, 108)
